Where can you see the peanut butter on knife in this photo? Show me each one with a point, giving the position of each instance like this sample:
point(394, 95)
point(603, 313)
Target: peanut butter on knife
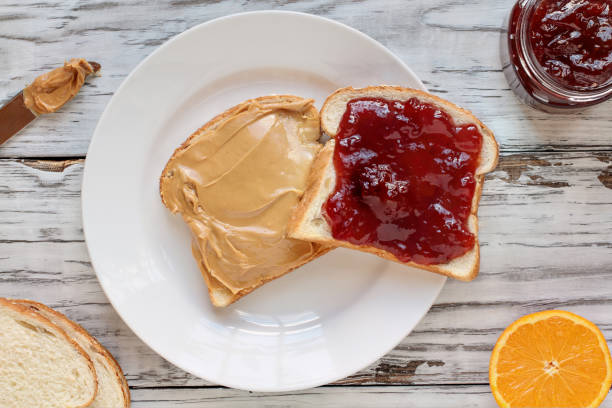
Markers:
point(53, 89)
point(48, 93)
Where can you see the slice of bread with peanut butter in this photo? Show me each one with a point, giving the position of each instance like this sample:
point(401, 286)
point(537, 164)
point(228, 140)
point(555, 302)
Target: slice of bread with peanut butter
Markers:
point(236, 182)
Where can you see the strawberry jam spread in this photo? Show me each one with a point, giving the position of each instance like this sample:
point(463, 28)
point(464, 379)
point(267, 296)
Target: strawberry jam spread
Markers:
point(404, 180)
point(572, 41)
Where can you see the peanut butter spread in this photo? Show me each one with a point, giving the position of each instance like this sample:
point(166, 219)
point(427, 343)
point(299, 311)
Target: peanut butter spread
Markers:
point(236, 184)
point(52, 90)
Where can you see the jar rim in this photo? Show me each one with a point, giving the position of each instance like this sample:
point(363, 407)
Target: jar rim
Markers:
point(527, 8)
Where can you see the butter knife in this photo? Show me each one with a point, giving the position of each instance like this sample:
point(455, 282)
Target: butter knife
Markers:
point(14, 116)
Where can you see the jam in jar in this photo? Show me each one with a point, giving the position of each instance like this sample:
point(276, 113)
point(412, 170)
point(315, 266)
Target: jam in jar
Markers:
point(405, 180)
point(558, 53)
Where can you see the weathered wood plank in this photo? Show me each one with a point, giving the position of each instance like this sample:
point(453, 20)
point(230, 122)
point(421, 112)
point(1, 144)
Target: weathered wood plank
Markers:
point(546, 233)
point(470, 396)
point(41, 200)
point(332, 397)
point(464, 66)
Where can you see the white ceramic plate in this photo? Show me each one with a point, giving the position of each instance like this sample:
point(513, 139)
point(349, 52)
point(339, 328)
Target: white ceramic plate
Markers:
point(316, 325)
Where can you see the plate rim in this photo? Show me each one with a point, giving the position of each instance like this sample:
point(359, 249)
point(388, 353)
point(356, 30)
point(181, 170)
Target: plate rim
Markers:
point(92, 144)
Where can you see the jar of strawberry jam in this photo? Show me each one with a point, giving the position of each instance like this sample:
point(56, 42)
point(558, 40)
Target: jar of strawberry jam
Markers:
point(557, 54)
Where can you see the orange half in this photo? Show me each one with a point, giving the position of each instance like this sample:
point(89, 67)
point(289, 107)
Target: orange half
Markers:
point(550, 359)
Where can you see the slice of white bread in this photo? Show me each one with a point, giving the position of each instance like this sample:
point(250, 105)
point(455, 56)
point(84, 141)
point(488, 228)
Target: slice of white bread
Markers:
point(219, 294)
point(40, 365)
point(308, 222)
point(113, 390)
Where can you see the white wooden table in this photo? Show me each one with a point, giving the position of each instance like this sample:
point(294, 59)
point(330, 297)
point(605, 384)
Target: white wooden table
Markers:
point(546, 213)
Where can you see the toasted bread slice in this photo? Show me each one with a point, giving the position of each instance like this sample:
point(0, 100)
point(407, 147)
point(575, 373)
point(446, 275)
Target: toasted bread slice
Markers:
point(220, 294)
point(113, 390)
point(40, 365)
point(308, 223)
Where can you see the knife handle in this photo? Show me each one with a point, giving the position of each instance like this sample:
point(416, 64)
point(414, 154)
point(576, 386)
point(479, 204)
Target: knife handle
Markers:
point(14, 116)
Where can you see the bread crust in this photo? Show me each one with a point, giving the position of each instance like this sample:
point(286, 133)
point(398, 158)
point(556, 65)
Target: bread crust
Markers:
point(227, 297)
point(24, 310)
point(325, 159)
point(219, 295)
point(94, 343)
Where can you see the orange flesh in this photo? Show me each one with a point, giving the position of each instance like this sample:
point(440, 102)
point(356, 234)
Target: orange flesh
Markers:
point(557, 361)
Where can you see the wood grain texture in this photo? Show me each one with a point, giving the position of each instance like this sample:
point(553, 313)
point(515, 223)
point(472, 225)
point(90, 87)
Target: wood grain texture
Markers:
point(546, 234)
point(468, 396)
point(330, 397)
point(465, 66)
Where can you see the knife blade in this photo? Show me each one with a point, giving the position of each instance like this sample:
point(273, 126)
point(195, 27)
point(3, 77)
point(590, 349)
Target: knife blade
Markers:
point(14, 116)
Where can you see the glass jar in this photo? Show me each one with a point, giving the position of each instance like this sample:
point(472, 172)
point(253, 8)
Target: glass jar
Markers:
point(527, 77)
